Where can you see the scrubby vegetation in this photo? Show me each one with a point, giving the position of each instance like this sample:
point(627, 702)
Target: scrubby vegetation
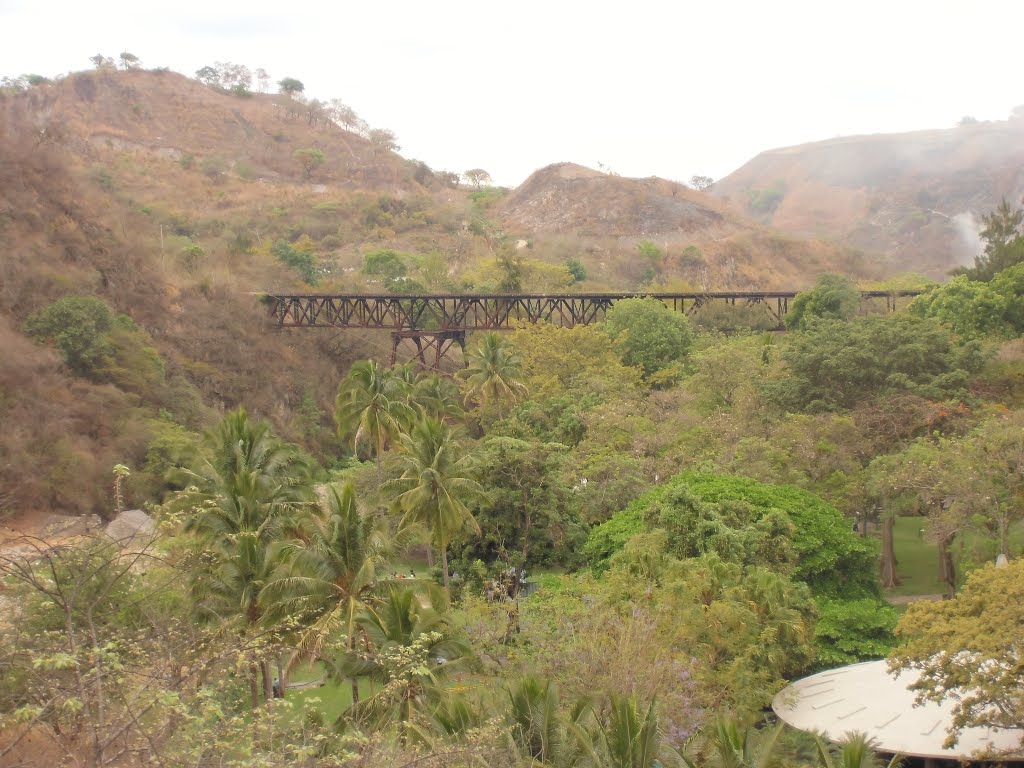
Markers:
point(608, 545)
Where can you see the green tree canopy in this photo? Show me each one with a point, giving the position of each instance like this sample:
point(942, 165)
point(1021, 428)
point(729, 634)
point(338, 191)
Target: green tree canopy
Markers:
point(1003, 233)
point(649, 335)
point(371, 408)
point(78, 326)
point(528, 512)
point(299, 256)
point(436, 486)
point(493, 372)
point(838, 364)
point(829, 557)
point(291, 86)
point(310, 158)
point(977, 308)
point(833, 297)
point(392, 267)
point(968, 649)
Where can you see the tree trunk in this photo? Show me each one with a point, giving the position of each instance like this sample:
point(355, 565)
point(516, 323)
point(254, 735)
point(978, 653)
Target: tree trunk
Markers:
point(268, 681)
point(355, 680)
point(430, 555)
point(526, 524)
point(887, 565)
point(254, 685)
point(947, 569)
point(282, 677)
point(444, 571)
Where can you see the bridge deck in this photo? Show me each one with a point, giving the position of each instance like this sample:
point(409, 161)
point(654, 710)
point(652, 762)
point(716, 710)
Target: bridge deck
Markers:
point(443, 312)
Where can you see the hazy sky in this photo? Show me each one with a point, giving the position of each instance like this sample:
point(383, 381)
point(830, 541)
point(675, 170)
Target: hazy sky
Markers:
point(645, 88)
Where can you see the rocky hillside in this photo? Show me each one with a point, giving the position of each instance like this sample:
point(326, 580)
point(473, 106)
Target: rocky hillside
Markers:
point(705, 243)
point(568, 198)
point(914, 196)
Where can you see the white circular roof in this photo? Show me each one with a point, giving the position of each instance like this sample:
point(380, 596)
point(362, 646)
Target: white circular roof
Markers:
point(866, 698)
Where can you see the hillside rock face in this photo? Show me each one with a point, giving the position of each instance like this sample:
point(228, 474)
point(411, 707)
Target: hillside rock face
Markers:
point(571, 199)
point(916, 197)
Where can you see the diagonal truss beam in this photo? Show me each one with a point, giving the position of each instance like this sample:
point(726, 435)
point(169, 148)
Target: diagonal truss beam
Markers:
point(496, 312)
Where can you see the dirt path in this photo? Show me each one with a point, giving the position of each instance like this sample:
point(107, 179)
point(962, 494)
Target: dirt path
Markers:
point(908, 599)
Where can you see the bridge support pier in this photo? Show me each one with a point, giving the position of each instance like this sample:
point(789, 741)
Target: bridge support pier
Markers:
point(431, 346)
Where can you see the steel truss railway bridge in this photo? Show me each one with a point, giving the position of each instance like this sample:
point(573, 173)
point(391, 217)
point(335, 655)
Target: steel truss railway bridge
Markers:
point(435, 323)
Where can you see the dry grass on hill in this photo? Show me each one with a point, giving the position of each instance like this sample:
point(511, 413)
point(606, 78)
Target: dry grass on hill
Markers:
point(165, 199)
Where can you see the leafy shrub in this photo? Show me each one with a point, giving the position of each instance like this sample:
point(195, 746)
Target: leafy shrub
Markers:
point(78, 326)
point(834, 296)
point(576, 269)
point(302, 260)
point(764, 201)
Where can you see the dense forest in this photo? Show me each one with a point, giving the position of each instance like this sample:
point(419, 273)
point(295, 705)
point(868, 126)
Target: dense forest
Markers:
point(607, 546)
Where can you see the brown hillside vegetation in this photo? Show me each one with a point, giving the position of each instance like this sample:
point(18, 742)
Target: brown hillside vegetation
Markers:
point(177, 204)
point(914, 196)
point(706, 244)
point(170, 116)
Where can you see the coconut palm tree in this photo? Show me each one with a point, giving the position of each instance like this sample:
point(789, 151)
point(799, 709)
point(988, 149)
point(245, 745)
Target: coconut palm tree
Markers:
point(438, 397)
point(247, 490)
point(493, 373)
point(435, 484)
point(332, 574)
point(371, 407)
point(410, 652)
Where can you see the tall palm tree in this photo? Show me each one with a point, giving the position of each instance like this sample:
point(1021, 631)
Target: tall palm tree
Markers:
point(493, 373)
point(435, 484)
point(247, 490)
point(411, 652)
point(438, 397)
point(332, 574)
point(371, 407)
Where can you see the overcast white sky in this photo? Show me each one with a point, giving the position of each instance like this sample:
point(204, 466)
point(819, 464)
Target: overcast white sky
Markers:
point(647, 88)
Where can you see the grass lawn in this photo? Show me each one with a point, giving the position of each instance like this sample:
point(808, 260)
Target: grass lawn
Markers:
point(334, 698)
point(917, 559)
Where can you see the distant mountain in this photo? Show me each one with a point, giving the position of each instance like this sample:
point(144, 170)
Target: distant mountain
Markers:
point(706, 243)
point(569, 198)
point(915, 197)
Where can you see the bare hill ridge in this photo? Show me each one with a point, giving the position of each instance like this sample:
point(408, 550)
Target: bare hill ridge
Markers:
point(913, 196)
point(566, 197)
point(172, 116)
point(705, 242)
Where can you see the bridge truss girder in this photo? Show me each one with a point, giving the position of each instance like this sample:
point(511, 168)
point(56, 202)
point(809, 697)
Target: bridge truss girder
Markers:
point(435, 323)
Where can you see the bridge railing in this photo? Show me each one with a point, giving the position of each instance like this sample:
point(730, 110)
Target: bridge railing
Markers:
point(474, 312)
